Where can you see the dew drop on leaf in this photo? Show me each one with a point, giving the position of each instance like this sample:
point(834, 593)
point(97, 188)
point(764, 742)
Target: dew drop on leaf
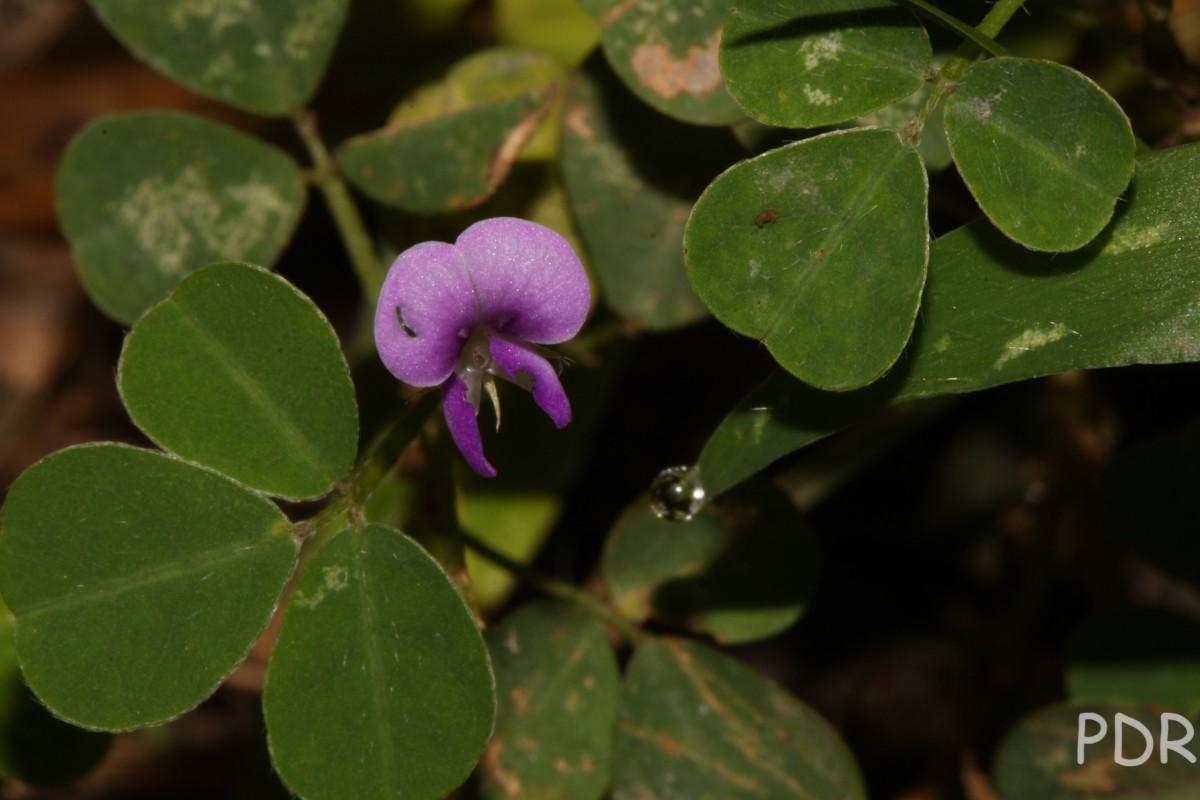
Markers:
point(676, 494)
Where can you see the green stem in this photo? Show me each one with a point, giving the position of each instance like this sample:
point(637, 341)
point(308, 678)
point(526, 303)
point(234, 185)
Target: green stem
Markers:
point(386, 448)
point(957, 25)
point(345, 510)
point(446, 543)
point(341, 205)
point(963, 58)
point(998, 17)
point(557, 588)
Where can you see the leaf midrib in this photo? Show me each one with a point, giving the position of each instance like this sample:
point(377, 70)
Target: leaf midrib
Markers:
point(707, 684)
point(1032, 144)
point(387, 735)
point(301, 445)
point(141, 579)
point(829, 244)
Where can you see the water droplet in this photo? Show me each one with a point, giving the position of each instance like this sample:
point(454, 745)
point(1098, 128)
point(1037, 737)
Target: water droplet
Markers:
point(676, 494)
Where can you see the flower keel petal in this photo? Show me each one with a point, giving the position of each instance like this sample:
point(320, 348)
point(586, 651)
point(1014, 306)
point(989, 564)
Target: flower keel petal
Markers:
point(520, 364)
point(464, 426)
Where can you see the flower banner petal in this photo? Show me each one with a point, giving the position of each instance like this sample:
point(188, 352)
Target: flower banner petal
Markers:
point(547, 391)
point(529, 282)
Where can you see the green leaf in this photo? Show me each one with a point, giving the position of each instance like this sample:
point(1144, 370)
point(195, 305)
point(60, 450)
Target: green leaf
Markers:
point(264, 56)
point(532, 191)
point(35, 746)
point(558, 27)
point(1038, 759)
point(995, 313)
point(450, 146)
point(1044, 150)
point(819, 249)
point(598, 8)
point(379, 684)
point(740, 571)
point(240, 372)
point(557, 684)
point(666, 53)
point(138, 581)
point(1136, 653)
point(146, 198)
point(804, 65)
point(632, 177)
point(697, 725)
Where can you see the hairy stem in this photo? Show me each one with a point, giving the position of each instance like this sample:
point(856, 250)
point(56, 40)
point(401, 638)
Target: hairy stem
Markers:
point(341, 205)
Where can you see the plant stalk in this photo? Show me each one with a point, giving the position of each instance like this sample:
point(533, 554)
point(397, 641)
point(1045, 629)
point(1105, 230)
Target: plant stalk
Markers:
point(345, 510)
point(955, 24)
point(345, 214)
point(963, 58)
point(556, 588)
point(446, 543)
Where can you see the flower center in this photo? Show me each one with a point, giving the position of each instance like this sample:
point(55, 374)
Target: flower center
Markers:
point(477, 369)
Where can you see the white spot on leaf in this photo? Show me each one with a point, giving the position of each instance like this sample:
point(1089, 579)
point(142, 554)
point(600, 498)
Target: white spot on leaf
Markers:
point(165, 216)
point(337, 578)
point(819, 49)
point(312, 21)
point(1126, 238)
point(334, 579)
point(182, 218)
point(1032, 339)
point(818, 97)
point(758, 427)
point(220, 14)
point(220, 69)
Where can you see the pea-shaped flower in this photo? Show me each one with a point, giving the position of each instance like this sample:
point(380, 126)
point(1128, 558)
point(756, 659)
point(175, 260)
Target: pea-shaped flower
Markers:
point(460, 315)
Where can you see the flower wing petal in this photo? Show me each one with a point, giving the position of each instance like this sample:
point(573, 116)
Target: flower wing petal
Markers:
point(548, 392)
point(530, 283)
point(464, 425)
point(426, 302)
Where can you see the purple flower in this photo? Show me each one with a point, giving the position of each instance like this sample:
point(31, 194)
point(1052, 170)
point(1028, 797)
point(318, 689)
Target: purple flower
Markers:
point(460, 315)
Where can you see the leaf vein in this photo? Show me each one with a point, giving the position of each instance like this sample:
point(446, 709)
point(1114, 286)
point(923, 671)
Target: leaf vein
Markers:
point(159, 573)
point(302, 445)
point(837, 231)
point(387, 736)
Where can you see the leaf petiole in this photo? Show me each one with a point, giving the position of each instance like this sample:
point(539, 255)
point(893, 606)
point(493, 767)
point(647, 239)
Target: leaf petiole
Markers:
point(955, 24)
point(963, 58)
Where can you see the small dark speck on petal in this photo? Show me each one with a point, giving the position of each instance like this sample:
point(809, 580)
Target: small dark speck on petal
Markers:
point(404, 326)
